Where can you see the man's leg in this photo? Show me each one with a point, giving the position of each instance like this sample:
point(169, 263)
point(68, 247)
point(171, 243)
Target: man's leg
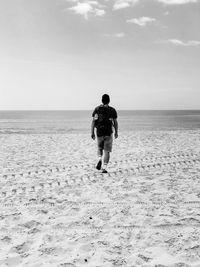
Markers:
point(107, 149)
point(106, 160)
point(106, 157)
point(99, 153)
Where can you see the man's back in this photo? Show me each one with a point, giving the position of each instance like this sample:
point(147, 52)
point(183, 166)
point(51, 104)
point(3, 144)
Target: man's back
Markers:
point(104, 117)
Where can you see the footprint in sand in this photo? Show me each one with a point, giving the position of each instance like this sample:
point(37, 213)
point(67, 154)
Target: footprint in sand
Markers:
point(55, 251)
point(31, 224)
point(6, 239)
point(22, 248)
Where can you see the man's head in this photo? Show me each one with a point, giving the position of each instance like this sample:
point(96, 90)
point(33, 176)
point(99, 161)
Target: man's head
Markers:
point(105, 99)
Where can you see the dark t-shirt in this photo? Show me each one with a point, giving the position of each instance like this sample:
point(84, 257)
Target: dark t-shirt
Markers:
point(113, 112)
point(104, 127)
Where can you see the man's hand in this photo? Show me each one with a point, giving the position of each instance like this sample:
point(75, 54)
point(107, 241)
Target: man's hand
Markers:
point(93, 136)
point(116, 135)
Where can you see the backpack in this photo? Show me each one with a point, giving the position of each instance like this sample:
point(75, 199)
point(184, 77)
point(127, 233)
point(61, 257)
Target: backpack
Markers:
point(103, 123)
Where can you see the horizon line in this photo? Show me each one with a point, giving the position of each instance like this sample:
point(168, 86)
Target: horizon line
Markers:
point(2, 110)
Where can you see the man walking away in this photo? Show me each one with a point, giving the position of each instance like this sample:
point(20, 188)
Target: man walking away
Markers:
point(104, 120)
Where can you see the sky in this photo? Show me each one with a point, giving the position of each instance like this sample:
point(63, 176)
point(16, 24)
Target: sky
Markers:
point(64, 54)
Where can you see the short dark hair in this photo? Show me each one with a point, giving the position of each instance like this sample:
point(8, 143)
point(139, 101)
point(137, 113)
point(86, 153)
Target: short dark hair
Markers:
point(105, 99)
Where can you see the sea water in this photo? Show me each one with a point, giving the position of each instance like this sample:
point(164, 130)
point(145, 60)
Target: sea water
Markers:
point(79, 121)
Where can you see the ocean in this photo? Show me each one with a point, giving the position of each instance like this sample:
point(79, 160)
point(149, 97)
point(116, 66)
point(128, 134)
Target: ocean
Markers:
point(25, 122)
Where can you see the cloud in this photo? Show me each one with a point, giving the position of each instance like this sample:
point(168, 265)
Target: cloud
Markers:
point(177, 2)
point(120, 4)
point(142, 21)
point(94, 7)
point(119, 35)
point(82, 9)
point(182, 43)
point(89, 7)
point(115, 35)
point(178, 42)
point(99, 12)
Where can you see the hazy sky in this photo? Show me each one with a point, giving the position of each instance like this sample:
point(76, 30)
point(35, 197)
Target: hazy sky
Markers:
point(64, 54)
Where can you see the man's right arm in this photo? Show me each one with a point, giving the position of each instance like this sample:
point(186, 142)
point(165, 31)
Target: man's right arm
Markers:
point(116, 127)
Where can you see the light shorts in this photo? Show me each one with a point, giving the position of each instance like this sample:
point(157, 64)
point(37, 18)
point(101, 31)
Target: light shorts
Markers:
point(105, 143)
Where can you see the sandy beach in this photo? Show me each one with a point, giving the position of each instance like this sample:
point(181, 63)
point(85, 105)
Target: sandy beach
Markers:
point(57, 210)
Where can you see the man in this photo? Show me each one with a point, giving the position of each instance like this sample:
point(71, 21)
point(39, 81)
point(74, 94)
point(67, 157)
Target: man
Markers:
point(104, 119)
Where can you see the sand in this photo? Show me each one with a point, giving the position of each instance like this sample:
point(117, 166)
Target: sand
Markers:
point(57, 210)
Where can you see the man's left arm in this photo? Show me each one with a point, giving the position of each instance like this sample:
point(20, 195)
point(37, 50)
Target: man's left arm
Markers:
point(93, 124)
point(115, 122)
point(92, 129)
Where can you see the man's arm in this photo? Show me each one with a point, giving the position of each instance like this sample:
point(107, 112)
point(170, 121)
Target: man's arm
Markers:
point(116, 127)
point(93, 123)
point(92, 129)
